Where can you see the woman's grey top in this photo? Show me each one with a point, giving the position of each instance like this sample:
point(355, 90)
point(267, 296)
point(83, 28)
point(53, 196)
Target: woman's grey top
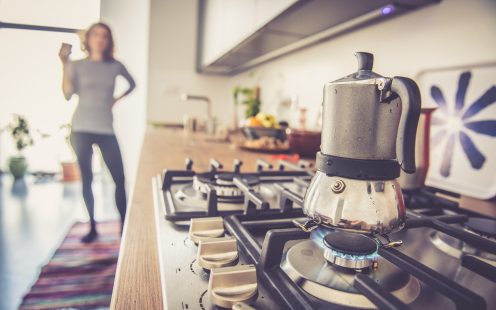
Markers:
point(94, 83)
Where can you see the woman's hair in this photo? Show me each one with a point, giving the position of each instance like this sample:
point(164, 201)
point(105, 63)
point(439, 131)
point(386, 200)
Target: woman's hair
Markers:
point(108, 53)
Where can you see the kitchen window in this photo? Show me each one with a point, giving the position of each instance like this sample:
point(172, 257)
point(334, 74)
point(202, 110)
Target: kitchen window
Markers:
point(31, 72)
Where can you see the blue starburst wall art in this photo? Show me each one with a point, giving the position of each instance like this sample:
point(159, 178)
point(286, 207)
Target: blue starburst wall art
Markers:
point(463, 130)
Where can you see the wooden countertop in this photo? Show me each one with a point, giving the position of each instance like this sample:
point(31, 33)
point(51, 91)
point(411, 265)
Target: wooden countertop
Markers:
point(137, 283)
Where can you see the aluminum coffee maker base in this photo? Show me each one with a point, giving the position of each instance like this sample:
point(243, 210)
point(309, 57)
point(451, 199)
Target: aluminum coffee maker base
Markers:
point(365, 206)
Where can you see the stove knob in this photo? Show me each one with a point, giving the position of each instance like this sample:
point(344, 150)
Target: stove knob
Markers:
point(205, 228)
point(217, 252)
point(230, 285)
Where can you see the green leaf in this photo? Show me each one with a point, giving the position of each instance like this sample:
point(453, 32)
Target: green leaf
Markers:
point(20, 132)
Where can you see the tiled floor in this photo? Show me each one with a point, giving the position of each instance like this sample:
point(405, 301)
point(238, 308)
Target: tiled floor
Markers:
point(34, 218)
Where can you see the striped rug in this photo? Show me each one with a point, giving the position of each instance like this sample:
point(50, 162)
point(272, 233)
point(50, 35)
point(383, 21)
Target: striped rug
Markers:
point(79, 276)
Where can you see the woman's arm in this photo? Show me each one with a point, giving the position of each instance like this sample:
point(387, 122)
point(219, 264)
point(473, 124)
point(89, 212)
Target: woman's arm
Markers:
point(132, 84)
point(67, 72)
point(67, 85)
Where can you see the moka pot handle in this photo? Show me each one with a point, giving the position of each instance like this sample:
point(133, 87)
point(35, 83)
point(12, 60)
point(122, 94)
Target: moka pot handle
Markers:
point(409, 94)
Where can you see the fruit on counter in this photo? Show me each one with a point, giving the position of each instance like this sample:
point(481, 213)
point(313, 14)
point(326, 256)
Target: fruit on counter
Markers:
point(267, 120)
point(262, 120)
point(253, 122)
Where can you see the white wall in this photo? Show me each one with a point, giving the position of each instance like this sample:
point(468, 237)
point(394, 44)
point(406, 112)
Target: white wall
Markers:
point(452, 33)
point(172, 66)
point(130, 23)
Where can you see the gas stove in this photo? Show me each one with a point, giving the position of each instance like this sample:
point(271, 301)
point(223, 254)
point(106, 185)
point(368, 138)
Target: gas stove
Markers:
point(230, 239)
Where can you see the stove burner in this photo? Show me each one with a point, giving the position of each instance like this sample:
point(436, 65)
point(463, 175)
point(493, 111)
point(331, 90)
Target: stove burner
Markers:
point(482, 226)
point(347, 250)
point(350, 243)
point(305, 264)
point(226, 177)
point(457, 248)
point(222, 182)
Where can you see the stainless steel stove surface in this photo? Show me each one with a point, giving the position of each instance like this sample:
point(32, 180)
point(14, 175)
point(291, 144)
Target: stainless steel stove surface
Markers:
point(264, 254)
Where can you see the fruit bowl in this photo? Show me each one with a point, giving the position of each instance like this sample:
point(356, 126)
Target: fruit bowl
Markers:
point(255, 133)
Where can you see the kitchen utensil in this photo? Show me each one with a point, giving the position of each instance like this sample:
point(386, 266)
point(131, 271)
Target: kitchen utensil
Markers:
point(416, 180)
point(284, 110)
point(368, 135)
point(303, 118)
point(304, 142)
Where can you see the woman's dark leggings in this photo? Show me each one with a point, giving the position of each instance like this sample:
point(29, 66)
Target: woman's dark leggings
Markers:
point(82, 142)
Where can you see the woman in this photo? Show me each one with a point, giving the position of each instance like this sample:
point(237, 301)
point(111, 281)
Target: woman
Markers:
point(93, 80)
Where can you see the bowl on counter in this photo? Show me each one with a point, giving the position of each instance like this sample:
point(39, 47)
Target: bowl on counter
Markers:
point(305, 143)
point(264, 139)
point(255, 133)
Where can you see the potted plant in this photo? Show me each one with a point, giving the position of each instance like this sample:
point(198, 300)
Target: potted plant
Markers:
point(70, 168)
point(251, 99)
point(19, 129)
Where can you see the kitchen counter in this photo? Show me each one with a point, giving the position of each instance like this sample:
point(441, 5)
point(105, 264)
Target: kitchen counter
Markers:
point(137, 283)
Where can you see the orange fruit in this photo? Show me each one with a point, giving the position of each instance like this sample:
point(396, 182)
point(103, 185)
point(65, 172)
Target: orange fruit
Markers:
point(253, 122)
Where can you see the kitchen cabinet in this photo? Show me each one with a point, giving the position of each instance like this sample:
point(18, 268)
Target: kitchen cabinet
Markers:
point(227, 23)
point(234, 36)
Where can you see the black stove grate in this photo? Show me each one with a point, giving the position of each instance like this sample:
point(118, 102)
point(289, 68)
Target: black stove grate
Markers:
point(268, 258)
point(252, 201)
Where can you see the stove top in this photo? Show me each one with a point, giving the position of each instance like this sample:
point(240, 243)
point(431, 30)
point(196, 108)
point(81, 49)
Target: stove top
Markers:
point(186, 194)
point(240, 240)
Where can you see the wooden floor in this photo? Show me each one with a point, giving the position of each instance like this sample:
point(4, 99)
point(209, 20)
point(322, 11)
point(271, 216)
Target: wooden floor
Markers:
point(34, 218)
point(137, 284)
